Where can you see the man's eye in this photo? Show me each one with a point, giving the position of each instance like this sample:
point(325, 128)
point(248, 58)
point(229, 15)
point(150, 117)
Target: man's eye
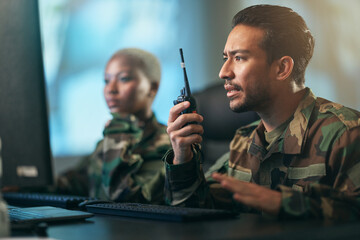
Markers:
point(238, 58)
point(225, 59)
point(106, 81)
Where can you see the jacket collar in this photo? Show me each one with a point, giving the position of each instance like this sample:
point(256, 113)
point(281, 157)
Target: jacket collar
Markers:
point(295, 134)
point(291, 142)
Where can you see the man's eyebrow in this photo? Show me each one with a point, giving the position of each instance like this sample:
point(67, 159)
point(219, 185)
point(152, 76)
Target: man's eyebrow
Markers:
point(243, 51)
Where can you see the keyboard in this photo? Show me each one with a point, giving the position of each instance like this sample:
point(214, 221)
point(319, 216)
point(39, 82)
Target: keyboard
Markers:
point(44, 214)
point(43, 199)
point(159, 212)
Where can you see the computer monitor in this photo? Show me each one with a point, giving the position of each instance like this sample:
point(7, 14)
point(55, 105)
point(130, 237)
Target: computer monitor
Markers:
point(26, 155)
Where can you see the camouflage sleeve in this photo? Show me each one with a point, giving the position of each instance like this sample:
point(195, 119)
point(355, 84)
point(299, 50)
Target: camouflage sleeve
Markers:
point(338, 200)
point(186, 185)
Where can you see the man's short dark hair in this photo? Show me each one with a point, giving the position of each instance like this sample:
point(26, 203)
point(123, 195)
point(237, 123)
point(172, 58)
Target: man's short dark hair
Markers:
point(286, 34)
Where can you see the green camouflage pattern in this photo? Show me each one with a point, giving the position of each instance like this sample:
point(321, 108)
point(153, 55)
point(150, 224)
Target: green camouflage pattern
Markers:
point(125, 166)
point(315, 163)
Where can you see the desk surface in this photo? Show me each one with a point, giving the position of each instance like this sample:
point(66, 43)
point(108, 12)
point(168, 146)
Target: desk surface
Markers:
point(245, 226)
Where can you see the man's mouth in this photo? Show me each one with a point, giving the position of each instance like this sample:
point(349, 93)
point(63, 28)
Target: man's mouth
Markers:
point(231, 90)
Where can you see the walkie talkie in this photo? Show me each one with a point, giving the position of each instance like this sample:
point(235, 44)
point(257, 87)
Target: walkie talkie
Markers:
point(185, 93)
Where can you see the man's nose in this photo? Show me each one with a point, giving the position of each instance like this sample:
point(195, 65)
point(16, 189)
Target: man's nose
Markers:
point(226, 71)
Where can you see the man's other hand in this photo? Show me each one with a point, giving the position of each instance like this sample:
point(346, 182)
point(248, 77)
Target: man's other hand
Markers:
point(251, 194)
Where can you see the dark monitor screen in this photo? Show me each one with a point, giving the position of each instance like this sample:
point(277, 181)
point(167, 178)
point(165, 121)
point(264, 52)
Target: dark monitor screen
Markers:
point(24, 133)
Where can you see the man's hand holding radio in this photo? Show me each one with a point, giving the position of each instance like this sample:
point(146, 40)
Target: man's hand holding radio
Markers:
point(182, 134)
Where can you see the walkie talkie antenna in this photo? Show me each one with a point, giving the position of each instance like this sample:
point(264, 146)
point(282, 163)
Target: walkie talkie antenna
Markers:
point(187, 87)
point(185, 93)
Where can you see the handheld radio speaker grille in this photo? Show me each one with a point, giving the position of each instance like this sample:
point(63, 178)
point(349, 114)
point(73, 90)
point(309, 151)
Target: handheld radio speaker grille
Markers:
point(185, 93)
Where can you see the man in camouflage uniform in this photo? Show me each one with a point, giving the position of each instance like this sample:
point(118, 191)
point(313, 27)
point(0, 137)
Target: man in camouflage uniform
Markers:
point(126, 164)
point(301, 160)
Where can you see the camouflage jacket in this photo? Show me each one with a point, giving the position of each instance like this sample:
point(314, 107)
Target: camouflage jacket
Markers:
point(315, 164)
point(125, 166)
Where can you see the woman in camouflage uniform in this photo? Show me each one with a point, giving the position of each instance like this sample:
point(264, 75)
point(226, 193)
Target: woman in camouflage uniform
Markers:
point(126, 164)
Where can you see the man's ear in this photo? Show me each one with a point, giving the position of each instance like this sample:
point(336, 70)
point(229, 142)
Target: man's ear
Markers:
point(285, 67)
point(153, 89)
